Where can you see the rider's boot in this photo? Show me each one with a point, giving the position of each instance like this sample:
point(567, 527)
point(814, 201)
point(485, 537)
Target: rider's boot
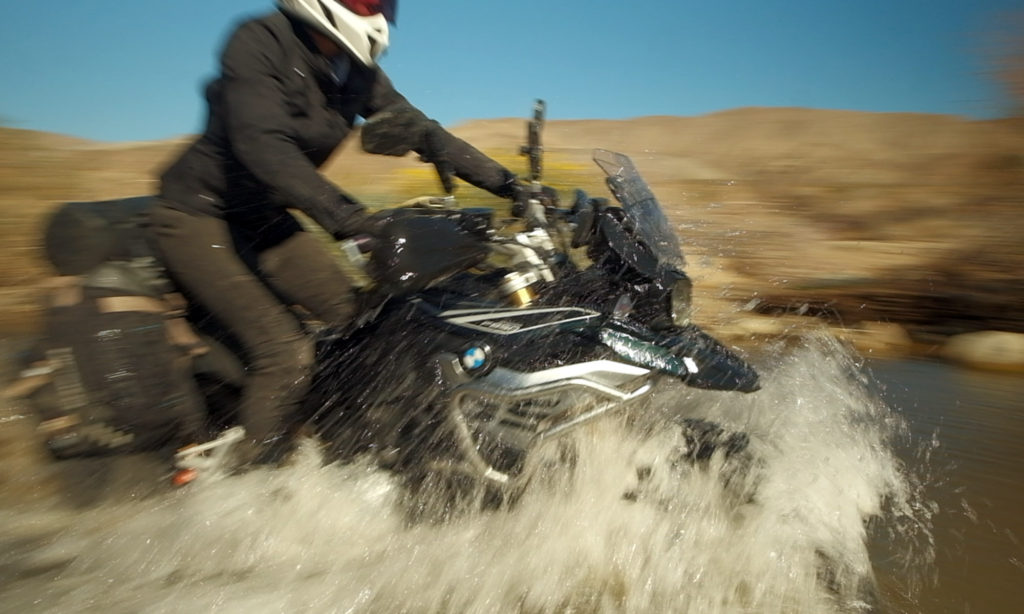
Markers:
point(215, 457)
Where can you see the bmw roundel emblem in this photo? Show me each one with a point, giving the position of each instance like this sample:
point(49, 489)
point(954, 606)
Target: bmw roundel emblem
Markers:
point(474, 358)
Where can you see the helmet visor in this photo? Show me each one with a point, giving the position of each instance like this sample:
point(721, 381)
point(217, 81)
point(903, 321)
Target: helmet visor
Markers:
point(368, 8)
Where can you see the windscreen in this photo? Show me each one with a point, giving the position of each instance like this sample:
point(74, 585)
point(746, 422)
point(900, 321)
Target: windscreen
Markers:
point(641, 207)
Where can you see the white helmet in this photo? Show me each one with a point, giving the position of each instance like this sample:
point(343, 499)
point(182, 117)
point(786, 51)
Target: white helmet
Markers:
point(360, 26)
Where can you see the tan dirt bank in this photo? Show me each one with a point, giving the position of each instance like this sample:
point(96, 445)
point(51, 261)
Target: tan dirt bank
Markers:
point(895, 230)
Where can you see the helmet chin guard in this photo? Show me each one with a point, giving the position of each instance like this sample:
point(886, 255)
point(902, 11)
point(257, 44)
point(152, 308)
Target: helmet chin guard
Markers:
point(359, 26)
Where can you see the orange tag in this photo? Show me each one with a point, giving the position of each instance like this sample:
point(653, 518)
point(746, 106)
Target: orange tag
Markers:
point(184, 476)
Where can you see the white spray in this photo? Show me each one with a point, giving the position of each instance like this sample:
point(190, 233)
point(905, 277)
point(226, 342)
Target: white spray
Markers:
point(778, 529)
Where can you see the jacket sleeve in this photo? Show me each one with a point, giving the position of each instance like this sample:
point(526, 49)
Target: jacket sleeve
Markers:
point(469, 163)
point(257, 119)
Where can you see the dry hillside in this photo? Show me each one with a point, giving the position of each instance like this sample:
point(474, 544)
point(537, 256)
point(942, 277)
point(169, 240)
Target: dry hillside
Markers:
point(845, 216)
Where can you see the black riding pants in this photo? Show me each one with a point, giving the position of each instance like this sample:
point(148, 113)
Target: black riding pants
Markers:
point(244, 277)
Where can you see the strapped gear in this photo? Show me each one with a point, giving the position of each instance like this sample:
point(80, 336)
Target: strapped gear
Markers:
point(118, 351)
point(359, 26)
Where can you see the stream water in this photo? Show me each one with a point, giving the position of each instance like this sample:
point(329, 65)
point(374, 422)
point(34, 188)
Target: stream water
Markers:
point(974, 476)
point(917, 460)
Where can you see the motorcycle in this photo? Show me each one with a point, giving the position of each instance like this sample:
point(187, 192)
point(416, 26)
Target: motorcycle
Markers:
point(474, 346)
point(481, 346)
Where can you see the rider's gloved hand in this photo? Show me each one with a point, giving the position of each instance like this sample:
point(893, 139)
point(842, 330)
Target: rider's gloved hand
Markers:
point(367, 231)
point(344, 220)
point(585, 214)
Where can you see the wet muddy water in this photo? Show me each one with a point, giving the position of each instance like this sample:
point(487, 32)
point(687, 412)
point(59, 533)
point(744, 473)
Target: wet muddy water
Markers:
point(975, 476)
point(932, 456)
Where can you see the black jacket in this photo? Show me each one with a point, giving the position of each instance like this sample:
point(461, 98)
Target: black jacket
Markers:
point(276, 114)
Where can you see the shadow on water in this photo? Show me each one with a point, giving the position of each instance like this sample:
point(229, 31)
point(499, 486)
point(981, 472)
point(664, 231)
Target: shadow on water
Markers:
point(781, 527)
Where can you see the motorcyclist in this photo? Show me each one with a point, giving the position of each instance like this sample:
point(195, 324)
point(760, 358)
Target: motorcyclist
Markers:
point(292, 85)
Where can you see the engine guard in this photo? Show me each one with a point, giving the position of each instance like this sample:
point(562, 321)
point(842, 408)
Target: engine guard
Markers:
point(499, 417)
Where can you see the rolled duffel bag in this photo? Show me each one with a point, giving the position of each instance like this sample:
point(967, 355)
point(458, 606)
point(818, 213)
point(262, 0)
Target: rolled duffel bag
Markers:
point(80, 236)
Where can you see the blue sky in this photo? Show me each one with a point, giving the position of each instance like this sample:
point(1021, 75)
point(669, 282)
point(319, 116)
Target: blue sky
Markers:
point(117, 70)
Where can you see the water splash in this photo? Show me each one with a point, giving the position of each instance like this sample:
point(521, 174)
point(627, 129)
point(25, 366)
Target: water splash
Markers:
point(780, 528)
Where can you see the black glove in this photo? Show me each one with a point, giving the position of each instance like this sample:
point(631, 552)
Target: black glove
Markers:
point(367, 230)
point(585, 213)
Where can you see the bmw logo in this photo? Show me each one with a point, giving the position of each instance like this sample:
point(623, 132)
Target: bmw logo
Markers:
point(474, 358)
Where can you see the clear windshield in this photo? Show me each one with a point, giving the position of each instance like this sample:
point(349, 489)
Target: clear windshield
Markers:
point(640, 205)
